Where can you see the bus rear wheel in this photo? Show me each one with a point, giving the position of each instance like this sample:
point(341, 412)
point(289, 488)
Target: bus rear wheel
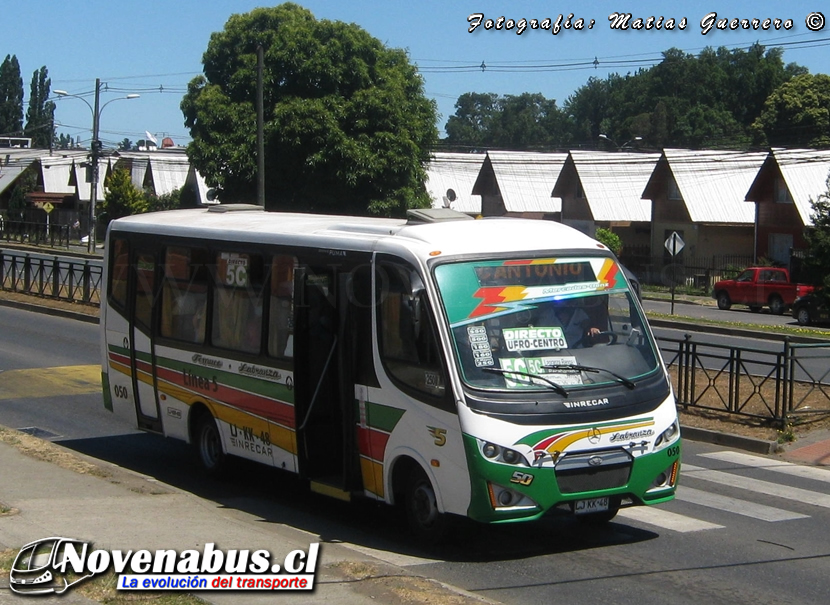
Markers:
point(209, 445)
point(426, 522)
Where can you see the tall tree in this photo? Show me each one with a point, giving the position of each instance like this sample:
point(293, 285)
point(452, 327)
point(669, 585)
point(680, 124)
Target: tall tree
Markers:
point(348, 127)
point(817, 237)
point(11, 97)
point(797, 114)
point(472, 124)
point(40, 117)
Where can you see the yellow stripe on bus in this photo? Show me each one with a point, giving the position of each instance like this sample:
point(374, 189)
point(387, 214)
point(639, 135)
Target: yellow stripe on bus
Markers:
point(372, 476)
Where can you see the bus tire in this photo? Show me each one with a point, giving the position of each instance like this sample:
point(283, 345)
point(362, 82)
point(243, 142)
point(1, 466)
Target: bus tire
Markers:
point(209, 446)
point(425, 521)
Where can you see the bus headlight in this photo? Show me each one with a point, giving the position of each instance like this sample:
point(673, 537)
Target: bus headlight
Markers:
point(668, 435)
point(497, 453)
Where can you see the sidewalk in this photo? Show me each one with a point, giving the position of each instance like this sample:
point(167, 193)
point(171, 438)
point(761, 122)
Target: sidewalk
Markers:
point(125, 510)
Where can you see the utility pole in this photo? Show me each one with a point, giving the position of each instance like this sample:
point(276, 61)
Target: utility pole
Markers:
point(96, 151)
point(260, 128)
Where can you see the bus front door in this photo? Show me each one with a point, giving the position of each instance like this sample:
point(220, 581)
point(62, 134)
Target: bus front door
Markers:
point(141, 345)
point(322, 380)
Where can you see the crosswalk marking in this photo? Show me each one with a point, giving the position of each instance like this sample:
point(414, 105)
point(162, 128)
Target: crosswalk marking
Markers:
point(756, 485)
point(734, 505)
point(665, 519)
point(771, 464)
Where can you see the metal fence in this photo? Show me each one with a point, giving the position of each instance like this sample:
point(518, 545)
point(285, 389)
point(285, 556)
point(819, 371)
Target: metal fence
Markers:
point(773, 386)
point(698, 273)
point(37, 234)
point(60, 278)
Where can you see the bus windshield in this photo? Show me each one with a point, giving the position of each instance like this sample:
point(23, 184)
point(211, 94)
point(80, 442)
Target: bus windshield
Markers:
point(554, 324)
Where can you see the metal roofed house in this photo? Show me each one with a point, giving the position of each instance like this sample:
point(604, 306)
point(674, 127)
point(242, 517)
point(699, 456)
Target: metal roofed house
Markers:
point(163, 171)
point(450, 180)
point(13, 163)
point(699, 195)
point(782, 191)
point(604, 189)
point(516, 183)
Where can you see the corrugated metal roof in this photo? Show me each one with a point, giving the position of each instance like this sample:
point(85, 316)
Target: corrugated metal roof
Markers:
point(9, 173)
point(168, 173)
point(456, 171)
point(805, 173)
point(57, 173)
point(713, 184)
point(526, 179)
point(613, 183)
point(84, 188)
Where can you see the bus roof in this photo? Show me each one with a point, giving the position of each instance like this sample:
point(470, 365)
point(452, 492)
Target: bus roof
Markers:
point(242, 223)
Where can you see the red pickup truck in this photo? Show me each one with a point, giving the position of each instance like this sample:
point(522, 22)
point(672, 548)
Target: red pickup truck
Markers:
point(758, 287)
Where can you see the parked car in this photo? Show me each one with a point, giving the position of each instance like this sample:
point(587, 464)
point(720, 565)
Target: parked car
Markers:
point(758, 287)
point(811, 309)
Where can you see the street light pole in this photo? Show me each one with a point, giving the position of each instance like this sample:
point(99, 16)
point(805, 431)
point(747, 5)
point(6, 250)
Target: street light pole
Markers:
point(95, 148)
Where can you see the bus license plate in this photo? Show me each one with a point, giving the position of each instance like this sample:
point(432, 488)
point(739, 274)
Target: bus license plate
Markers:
point(595, 505)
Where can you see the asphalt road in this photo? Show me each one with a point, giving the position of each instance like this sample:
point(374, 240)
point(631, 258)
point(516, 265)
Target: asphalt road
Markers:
point(743, 530)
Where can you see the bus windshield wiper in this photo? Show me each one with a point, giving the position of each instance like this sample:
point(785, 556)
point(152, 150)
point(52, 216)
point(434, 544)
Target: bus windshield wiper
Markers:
point(556, 387)
point(621, 379)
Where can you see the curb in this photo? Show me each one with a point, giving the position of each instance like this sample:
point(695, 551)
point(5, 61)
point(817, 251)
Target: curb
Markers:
point(49, 311)
point(749, 444)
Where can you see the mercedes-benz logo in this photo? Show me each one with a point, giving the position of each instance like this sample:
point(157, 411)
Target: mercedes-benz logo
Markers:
point(594, 436)
point(595, 460)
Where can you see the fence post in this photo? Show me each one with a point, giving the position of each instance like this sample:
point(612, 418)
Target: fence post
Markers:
point(87, 279)
point(27, 274)
point(787, 379)
point(56, 288)
point(688, 375)
point(40, 277)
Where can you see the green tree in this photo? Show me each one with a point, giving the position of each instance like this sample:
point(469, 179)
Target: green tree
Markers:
point(125, 145)
point(122, 197)
point(167, 201)
point(817, 262)
point(11, 97)
point(348, 128)
point(26, 183)
point(611, 240)
point(40, 117)
point(472, 125)
point(796, 114)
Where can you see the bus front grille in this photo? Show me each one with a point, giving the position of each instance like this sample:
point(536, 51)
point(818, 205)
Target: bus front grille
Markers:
point(593, 471)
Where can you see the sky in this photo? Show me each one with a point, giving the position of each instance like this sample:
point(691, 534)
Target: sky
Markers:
point(154, 48)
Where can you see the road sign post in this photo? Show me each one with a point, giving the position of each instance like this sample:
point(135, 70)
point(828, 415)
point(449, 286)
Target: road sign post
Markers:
point(674, 244)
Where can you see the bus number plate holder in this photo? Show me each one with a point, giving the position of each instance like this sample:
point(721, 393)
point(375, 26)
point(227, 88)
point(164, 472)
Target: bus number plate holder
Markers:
point(594, 505)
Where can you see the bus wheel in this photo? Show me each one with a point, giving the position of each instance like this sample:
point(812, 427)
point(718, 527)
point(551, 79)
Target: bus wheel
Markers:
point(209, 445)
point(425, 520)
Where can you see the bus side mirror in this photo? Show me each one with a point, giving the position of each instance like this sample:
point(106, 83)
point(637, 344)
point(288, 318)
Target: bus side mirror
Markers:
point(415, 301)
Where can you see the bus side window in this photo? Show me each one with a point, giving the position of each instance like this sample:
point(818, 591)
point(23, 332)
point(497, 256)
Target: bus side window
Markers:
point(184, 294)
point(236, 322)
point(408, 345)
point(281, 307)
point(119, 272)
point(145, 286)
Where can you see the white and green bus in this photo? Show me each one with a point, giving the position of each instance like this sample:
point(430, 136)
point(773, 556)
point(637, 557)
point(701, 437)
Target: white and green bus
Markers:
point(500, 369)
